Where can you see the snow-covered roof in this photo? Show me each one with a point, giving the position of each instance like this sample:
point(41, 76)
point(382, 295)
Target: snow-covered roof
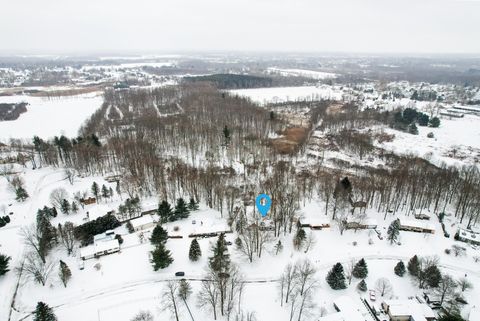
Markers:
point(107, 236)
point(417, 224)
point(99, 247)
point(107, 245)
point(469, 235)
point(319, 220)
point(143, 220)
point(87, 251)
point(351, 310)
point(419, 311)
point(366, 221)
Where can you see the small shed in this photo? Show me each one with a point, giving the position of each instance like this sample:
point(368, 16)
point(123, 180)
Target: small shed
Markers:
point(88, 201)
point(142, 223)
point(416, 226)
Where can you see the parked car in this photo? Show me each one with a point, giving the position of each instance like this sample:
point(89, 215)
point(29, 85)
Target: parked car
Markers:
point(81, 265)
point(194, 222)
point(228, 243)
point(179, 273)
point(373, 296)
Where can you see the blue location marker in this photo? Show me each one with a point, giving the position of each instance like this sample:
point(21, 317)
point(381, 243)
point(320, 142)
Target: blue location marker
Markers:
point(263, 207)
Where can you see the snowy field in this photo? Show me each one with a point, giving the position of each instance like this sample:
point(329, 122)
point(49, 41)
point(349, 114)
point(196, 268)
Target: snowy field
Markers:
point(265, 96)
point(455, 142)
point(48, 117)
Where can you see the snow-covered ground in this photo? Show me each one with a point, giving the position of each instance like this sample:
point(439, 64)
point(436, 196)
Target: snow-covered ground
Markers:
point(48, 117)
point(264, 96)
point(126, 282)
point(455, 142)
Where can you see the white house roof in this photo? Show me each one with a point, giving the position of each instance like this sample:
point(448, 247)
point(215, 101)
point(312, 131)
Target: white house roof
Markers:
point(366, 221)
point(107, 236)
point(145, 219)
point(417, 224)
point(322, 220)
point(87, 251)
point(352, 309)
point(99, 247)
point(468, 235)
point(419, 311)
point(107, 245)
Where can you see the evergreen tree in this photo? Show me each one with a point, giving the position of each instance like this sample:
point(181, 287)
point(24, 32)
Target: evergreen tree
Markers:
point(195, 251)
point(64, 273)
point(105, 192)
point(95, 190)
point(165, 212)
point(130, 227)
point(4, 260)
point(192, 206)
point(220, 261)
point(400, 269)
point(226, 134)
point(450, 317)
point(44, 313)
point(65, 208)
point(159, 235)
point(299, 238)
point(432, 276)
point(74, 207)
point(360, 271)
point(393, 231)
point(413, 266)
point(362, 286)
point(434, 122)
point(110, 192)
point(181, 209)
point(21, 194)
point(161, 257)
point(336, 277)
point(423, 119)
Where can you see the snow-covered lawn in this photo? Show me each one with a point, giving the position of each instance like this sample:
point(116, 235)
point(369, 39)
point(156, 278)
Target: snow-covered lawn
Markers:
point(49, 117)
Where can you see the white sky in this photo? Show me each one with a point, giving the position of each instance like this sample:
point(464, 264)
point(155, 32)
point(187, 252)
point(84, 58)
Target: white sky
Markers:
point(82, 26)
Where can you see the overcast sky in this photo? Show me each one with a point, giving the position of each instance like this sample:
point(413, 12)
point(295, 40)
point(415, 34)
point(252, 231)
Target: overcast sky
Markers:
point(389, 26)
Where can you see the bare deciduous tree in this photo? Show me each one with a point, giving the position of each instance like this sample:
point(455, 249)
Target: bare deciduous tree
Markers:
point(464, 284)
point(57, 196)
point(209, 296)
point(70, 175)
point(446, 288)
point(384, 287)
point(37, 270)
point(67, 237)
point(143, 316)
point(169, 298)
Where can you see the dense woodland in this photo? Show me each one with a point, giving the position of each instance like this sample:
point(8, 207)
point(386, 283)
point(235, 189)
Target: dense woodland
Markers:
point(197, 142)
